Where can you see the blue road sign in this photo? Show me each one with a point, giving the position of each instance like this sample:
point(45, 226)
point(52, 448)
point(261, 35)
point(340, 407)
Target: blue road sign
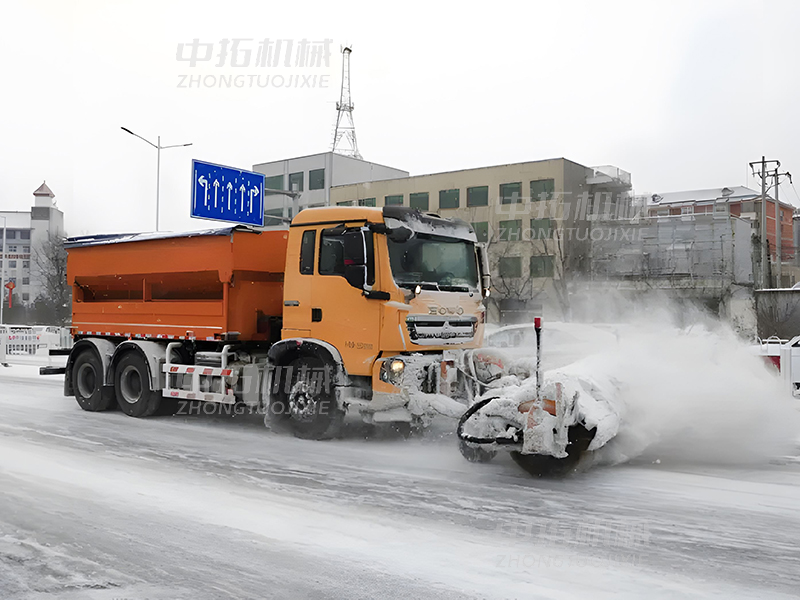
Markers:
point(227, 194)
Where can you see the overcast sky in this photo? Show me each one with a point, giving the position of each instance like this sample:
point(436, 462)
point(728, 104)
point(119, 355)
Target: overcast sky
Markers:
point(681, 94)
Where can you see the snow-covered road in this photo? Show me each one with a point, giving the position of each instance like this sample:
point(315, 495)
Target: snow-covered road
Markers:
point(103, 506)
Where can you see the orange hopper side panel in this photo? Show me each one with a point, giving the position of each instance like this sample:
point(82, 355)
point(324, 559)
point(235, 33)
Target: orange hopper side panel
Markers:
point(193, 285)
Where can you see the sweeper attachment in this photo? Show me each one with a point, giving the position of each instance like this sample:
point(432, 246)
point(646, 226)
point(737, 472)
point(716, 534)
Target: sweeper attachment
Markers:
point(547, 423)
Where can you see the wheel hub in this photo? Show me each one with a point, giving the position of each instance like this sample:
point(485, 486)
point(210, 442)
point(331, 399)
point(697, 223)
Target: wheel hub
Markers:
point(130, 384)
point(302, 403)
point(86, 380)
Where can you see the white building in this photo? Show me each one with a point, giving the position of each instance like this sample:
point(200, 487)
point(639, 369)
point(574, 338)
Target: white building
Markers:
point(26, 232)
point(314, 176)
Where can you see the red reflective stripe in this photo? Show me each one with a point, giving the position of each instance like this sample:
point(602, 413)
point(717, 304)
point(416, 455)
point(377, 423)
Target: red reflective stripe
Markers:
point(226, 372)
point(208, 371)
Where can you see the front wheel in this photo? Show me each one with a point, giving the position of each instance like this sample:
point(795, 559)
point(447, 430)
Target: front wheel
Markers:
point(132, 387)
point(306, 400)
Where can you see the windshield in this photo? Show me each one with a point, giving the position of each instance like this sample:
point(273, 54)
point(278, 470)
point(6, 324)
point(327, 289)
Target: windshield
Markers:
point(434, 262)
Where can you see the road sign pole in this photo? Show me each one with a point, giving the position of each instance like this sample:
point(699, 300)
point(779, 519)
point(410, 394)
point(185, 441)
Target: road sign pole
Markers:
point(3, 269)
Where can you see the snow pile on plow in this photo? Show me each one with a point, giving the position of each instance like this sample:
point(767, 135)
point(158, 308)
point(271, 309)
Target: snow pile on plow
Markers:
point(570, 397)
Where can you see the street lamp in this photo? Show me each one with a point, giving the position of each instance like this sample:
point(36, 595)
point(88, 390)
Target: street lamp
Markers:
point(3, 271)
point(158, 147)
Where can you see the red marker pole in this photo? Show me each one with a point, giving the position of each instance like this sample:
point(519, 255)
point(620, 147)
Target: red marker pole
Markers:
point(537, 326)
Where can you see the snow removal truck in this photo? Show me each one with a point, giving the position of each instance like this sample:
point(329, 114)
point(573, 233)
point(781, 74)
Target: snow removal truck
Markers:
point(374, 311)
point(350, 308)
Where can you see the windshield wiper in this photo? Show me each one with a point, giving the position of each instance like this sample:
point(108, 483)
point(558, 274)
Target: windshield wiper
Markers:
point(425, 285)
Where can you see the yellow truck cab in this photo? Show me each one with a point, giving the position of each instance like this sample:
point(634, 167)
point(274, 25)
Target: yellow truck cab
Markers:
point(382, 304)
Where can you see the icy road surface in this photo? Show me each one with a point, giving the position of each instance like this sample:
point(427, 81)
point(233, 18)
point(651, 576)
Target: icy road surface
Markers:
point(103, 506)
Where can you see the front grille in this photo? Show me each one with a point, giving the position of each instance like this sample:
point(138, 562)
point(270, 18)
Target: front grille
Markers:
point(443, 330)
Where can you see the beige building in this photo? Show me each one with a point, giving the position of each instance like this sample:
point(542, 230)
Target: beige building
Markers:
point(533, 216)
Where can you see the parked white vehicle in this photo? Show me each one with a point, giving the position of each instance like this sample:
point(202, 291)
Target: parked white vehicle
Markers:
point(784, 355)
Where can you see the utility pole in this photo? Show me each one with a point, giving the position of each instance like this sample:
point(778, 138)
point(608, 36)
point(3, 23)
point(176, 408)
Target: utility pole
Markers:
point(762, 173)
point(779, 225)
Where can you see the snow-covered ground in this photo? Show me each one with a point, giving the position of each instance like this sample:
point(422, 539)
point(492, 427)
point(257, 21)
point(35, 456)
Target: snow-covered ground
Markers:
point(103, 506)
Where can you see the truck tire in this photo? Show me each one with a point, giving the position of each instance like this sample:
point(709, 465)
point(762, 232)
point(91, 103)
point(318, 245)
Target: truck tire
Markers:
point(308, 403)
point(132, 387)
point(87, 382)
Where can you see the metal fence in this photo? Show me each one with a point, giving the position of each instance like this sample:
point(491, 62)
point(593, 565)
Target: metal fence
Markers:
point(27, 341)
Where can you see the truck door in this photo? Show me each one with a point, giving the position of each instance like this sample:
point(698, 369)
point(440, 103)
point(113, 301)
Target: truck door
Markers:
point(297, 284)
point(340, 313)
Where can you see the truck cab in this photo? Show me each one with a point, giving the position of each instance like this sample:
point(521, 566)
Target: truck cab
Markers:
point(393, 291)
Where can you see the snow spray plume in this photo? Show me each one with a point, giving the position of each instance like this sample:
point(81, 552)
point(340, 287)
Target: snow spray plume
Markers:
point(688, 388)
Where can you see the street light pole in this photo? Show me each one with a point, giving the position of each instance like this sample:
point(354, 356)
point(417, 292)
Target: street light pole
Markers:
point(3, 271)
point(158, 148)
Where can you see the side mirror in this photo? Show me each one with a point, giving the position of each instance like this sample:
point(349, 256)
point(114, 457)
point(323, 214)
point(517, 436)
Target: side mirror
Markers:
point(355, 258)
point(356, 275)
point(400, 234)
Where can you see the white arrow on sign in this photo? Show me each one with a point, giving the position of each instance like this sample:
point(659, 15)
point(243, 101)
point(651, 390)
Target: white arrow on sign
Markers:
point(253, 192)
point(216, 187)
point(230, 187)
point(202, 181)
point(241, 189)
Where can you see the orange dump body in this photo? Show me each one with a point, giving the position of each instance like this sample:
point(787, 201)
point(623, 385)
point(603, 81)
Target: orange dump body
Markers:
point(204, 285)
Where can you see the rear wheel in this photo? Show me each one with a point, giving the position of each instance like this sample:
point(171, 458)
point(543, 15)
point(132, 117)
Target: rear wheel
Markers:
point(87, 382)
point(543, 465)
point(132, 387)
point(306, 400)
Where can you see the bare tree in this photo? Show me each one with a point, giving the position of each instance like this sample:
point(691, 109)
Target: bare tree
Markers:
point(50, 260)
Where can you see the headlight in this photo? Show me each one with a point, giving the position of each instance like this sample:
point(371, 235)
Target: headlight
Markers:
point(392, 370)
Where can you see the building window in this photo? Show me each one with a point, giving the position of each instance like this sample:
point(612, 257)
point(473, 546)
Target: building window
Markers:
point(274, 183)
point(481, 231)
point(478, 196)
point(395, 200)
point(541, 229)
point(316, 179)
point(366, 202)
point(26, 264)
point(448, 198)
point(11, 234)
point(510, 266)
point(11, 249)
point(542, 189)
point(26, 249)
point(307, 252)
point(687, 210)
point(511, 193)
point(26, 281)
point(12, 264)
point(26, 297)
point(25, 234)
point(296, 182)
point(345, 203)
point(511, 231)
point(542, 266)
point(418, 200)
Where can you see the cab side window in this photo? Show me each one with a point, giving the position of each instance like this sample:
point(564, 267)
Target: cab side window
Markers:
point(307, 252)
